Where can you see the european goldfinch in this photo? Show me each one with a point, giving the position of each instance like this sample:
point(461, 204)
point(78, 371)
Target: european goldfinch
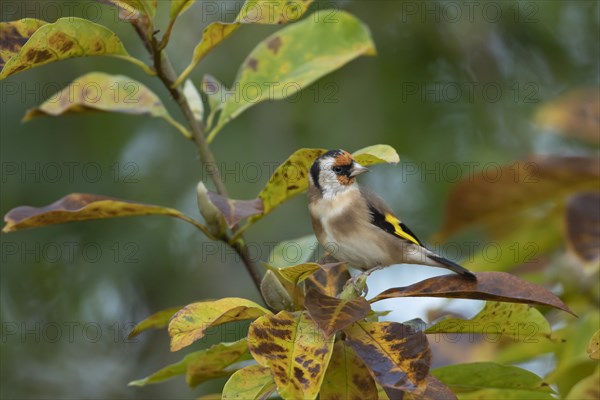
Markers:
point(355, 225)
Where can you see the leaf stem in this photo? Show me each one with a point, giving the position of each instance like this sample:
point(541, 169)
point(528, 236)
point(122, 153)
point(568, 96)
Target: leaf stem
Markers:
point(165, 72)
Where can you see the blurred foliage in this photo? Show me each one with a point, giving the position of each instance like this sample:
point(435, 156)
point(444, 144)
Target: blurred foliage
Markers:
point(454, 93)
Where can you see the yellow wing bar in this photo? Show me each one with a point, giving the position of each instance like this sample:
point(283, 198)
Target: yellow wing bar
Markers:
point(398, 231)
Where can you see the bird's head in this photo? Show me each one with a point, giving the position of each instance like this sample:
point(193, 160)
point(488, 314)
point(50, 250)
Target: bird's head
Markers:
point(334, 172)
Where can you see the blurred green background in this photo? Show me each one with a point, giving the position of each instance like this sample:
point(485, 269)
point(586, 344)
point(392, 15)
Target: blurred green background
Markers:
point(453, 84)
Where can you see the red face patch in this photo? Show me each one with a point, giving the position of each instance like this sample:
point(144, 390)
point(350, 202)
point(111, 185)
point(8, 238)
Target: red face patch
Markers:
point(344, 160)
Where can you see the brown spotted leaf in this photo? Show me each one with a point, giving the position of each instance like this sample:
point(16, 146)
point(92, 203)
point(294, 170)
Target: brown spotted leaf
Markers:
point(488, 197)
point(575, 113)
point(583, 226)
point(252, 12)
point(67, 38)
point(14, 34)
point(97, 91)
point(202, 365)
point(329, 281)
point(251, 382)
point(333, 314)
point(593, 348)
point(295, 350)
point(347, 377)
point(192, 321)
point(434, 390)
point(294, 57)
point(157, 320)
point(397, 356)
point(82, 207)
point(236, 210)
point(497, 286)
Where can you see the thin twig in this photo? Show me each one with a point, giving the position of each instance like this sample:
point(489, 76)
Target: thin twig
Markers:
point(167, 75)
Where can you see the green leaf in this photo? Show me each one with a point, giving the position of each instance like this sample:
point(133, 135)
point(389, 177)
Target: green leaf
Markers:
point(83, 207)
point(98, 91)
point(67, 38)
point(518, 321)
point(497, 286)
point(192, 321)
point(573, 361)
point(586, 389)
point(252, 12)
point(14, 34)
point(347, 377)
point(293, 58)
point(157, 320)
point(202, 365)
point(297, 353)
point(294, 251)
point(397, 356)
point(593, 349)
point(251, 382)
point(505, 381)
point(178, 7)
point(333, 314)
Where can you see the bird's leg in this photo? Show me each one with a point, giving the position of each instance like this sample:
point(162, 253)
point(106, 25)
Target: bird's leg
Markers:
point(359, 282)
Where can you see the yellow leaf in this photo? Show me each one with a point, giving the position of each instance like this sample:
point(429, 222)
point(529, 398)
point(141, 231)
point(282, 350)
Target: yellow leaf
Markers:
point(295, 350)
point(104, 92)
point(203, 365)
point(192, 321)
point(377, 154)
point(347, 377)
point(252, 382)
point(157, 320)
point(518, 321)
point(397, 356)
point(300, 272)
point(67, 38)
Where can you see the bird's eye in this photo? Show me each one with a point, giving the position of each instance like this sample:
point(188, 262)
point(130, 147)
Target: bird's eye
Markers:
point(337, 170)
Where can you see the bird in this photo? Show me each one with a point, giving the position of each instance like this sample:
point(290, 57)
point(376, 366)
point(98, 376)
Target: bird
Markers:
point(354, 225)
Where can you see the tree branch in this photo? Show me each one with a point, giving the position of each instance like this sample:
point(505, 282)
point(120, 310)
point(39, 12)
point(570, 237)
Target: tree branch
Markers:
point(167, 75)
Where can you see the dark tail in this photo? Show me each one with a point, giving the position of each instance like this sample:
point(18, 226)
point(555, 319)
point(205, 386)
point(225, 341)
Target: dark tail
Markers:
point(451, 265)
